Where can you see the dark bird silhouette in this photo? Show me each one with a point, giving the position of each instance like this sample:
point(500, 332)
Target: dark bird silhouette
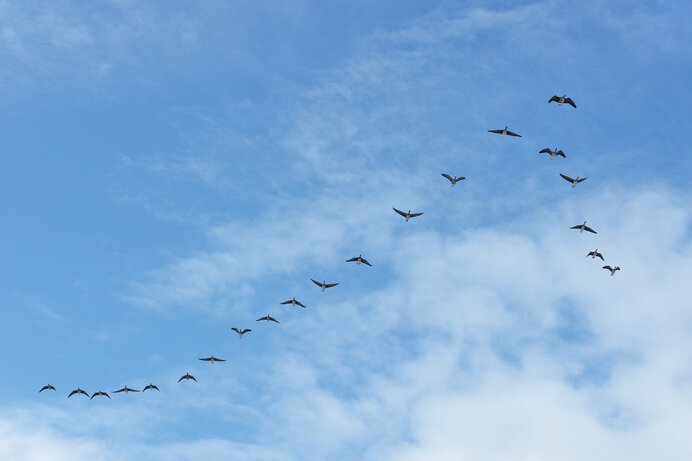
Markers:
point(294, 302)
point(323, 285)
point(125, 390)
point(267, 318)
point(612, 269)
point(560, 100)
point(553, 153)
point(241, 332)
point(358, 260)
point(150, 386)
point(77, 391)
point(187, 376)
point(453, 180)
point(504, 132)
point(99, 393)
point(573, 181)
point(584, 227)
point(46, 387)
point(406, 216)
point(212, 359)
point(595, 254)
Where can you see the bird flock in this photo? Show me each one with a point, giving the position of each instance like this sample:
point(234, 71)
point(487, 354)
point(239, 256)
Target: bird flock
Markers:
point(361, 260)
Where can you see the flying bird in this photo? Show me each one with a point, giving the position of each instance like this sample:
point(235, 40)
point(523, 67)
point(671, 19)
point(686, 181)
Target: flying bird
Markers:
point(125, 390)
point(46, 387)
point(241, 332)
point(99, 393)
point(187, 376)
point(560, 100)
point(584, 227)
point(407, 216)
point(267, 318)
point(612, 269)
point(324, 285)
point(150, 386)
point(358, 260)
point(505, 132)
point(212, 359)
point(455, 179)
point(294, 302)
point(77, 391)
point(573, 181)
point(595, 254)
point(553, 153)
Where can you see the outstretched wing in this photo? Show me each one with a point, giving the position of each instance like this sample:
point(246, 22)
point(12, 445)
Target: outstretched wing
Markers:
point(554, 98)
point(546, 151)
point(448, 177)
point(561, 153)
point(599, 255)
point(608, 267)
point(351, 260)
point(208, 359)
point(365, 261)
point(567, 178)
point(72, 393)
point(245, 331)
point(329, 285)
point(570, 102)
point(413, 215)
point(261, 318)
point(398, 211)
point(511, 133)
point(496, 131)
point(272, 319)
point(316, 282)
point(578, 226)
point(238, 331)
point(588, 229)
point(581, 179)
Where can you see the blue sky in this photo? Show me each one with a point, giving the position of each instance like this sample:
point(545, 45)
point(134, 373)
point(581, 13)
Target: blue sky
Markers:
point(171, 172)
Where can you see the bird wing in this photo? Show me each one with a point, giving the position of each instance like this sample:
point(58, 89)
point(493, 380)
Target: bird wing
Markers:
point(106, 394)
point(245, 331)
point(398, 211)
point(554, 98)
point(219, 360)
point(95, 394)
point(413, 215)
point(181, 378)
point(561, 153)
point(566, 178)
point(495, 131)
point(119, 390)
point(131, 390)
point(351, 260)
point(272, 319)
point(261, 318)
point(154, 387)
point(316, 282)
point(570, 102)
point(511, 133)
point(236, 330)
point(599, 255)
point(192, 378)
point(576, 227)
point(608, 267)
point(461, 178)
point(545, 151)
point(448, 177)
point(588, 229)
point(329, 285)
point(581, 179)
point(300, 304)
point(365, 261)
point(72, 393)
point(208, 359)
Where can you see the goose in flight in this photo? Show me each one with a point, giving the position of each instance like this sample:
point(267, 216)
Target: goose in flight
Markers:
point(99, 393)
point(150, 386)
point(612, 269)
point(454, 180)
point(574, 182)
point(324, 285)
point(47, 387)
point(212, 359)
point(560, 100)
point(241, 332)
point(595, 254)
point(553, 153)
point(77, 391)
point(267, 318)
point(187, 376)
point(358, 260)
point(294, 302)
point(407, 216)
point(584, 227)
point(505, 132)
point(125, 390)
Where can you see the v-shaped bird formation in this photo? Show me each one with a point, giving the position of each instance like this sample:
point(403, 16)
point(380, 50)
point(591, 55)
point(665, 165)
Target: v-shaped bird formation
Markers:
point(407, 215)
